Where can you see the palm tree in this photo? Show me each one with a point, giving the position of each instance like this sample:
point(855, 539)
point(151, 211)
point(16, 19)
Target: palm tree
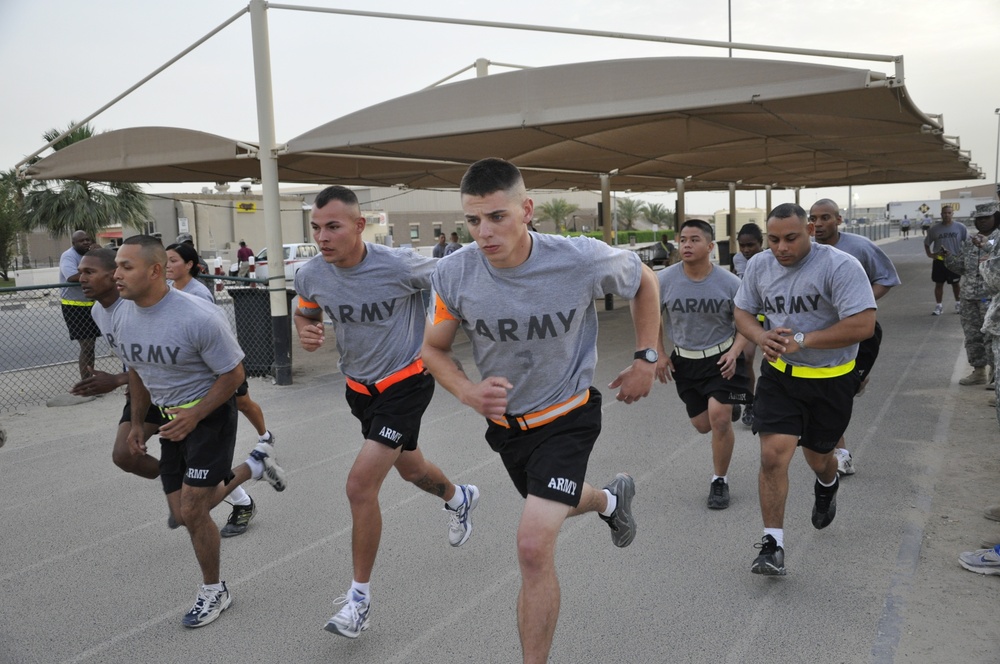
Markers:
point(11, 218)
point(657, 213)
point(557, 210)
point(64, 206)
point(629, 209)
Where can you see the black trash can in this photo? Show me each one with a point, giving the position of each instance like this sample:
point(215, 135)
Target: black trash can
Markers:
point(252, 311)
point(725, 260)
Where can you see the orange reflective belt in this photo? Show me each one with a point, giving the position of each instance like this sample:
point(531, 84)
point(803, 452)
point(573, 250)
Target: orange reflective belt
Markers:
point(543, 417)
point(412, 369)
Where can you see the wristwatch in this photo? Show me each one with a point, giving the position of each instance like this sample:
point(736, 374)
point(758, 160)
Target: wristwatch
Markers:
point(647, 354)
point(800, 339)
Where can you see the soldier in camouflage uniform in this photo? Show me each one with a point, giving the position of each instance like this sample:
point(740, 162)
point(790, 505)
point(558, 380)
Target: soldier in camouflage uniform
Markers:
point(990, 272)
point(974, 296)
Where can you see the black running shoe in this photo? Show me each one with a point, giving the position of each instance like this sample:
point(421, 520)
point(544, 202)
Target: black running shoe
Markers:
point(736, 412)
point(825, 507)
point(239, 519)
point(748, 415)
point(771, 561)
point(718, 495)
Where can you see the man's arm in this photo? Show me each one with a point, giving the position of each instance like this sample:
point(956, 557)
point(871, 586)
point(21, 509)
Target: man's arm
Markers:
point(637, 379)
point(487, 397)
point(309, 327)
point(851, 330)
point(139, 402)
point(99, 382)
point(878, 290)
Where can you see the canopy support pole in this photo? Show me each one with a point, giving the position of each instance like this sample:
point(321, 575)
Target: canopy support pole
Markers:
point(280, 324)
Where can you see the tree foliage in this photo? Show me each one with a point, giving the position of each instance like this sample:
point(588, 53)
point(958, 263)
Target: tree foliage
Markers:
point(557, 210)
point(64, 206)
point(11, 219)
point(629, 209)
point(657, 213)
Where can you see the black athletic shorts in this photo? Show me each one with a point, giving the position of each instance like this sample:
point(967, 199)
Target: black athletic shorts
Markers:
point(868, 353)
point(153, 415)
point(205, 457)
point(817, 410)
point(393, 417)
point(79, 322)
point(942, 275)
point(697, 380)
point(550, 461)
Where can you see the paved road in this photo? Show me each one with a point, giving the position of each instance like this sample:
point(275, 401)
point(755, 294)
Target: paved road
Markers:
point(91, 574)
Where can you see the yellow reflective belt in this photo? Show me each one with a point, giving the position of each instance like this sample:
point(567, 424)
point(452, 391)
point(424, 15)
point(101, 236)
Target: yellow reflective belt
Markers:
point(77, 303)
point(812, 372)
point(170, 416)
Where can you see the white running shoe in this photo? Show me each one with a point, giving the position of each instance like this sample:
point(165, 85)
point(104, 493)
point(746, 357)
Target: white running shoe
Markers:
point(208, 606)
point(938, 310)
point(273, 473)
point(845, 462)
point(460, 523)
point(352, 619)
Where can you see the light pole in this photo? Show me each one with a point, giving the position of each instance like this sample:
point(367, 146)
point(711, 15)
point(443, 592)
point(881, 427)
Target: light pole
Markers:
point(996, 163)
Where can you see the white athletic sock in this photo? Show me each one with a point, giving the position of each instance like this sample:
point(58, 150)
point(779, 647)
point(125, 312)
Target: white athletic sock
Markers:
point(822, 483)
point(612, 503)
point(266, 438)
point(725, 478)
point(256, 468)
point(239, 497)
point(212, 586)
point(362, 589)
point(457, 500)
point(778, 534)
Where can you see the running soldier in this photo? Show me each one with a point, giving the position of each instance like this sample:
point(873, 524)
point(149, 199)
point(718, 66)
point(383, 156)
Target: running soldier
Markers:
point(818, 306)
point(97, 271)
point(536, 350)
point(942, 239)
point(975, 298)
point(826, 219)
point(184, 360)
point(373, 296)
point(707, 360)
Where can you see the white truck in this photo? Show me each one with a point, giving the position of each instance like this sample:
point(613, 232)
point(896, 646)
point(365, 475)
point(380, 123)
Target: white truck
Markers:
point(915, 211)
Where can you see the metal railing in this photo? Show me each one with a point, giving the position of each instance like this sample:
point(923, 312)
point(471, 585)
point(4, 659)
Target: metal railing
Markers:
point(40, 362)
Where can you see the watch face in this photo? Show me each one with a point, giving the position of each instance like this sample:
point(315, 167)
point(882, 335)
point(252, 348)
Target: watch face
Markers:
point(649, 355)
point(799, 338)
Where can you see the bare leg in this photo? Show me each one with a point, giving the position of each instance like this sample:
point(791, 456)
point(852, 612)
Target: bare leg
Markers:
point(538, 600)
point(415, 469)
point(823, 464)
point(251, 410)
point(196, 502)
point(776, 451)
point(938, 292)
point(363, 485)
point(723, 438)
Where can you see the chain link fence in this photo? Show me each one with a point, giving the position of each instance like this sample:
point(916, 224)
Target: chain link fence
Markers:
point(39, 362)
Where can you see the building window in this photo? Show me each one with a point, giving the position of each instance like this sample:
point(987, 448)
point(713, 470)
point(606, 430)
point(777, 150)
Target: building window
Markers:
point(414, 231)
point(437, 230)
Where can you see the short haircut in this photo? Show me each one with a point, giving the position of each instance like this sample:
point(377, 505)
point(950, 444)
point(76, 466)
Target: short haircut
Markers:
point(490, 175)
point(827, 201)
point(152, 248)
point(786, 210)
point(105, 257)
point(947, 206)
point(188, 255)
point(702, 226)
point(337, 193)
point(753, 230)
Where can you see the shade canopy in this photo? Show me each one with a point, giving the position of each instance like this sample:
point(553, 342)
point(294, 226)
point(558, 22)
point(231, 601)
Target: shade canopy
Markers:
point(709, 120)
point(648, 122)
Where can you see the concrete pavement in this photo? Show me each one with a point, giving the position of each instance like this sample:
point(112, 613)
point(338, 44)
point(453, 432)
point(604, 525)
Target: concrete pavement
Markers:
point(91, 573)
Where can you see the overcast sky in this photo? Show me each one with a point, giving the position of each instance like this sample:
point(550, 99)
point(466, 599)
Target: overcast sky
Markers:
point(64, 59)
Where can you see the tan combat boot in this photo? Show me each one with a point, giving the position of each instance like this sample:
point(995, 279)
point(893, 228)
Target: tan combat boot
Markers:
point(977, 377)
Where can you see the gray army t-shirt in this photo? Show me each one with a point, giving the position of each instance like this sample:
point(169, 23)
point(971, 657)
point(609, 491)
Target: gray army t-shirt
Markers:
point(948, 237)
point(179, 346)
point(824, 287)
point(535, 324)
point(376, 308)
point(69, 264)
point(698, 314)
point(876, 264)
